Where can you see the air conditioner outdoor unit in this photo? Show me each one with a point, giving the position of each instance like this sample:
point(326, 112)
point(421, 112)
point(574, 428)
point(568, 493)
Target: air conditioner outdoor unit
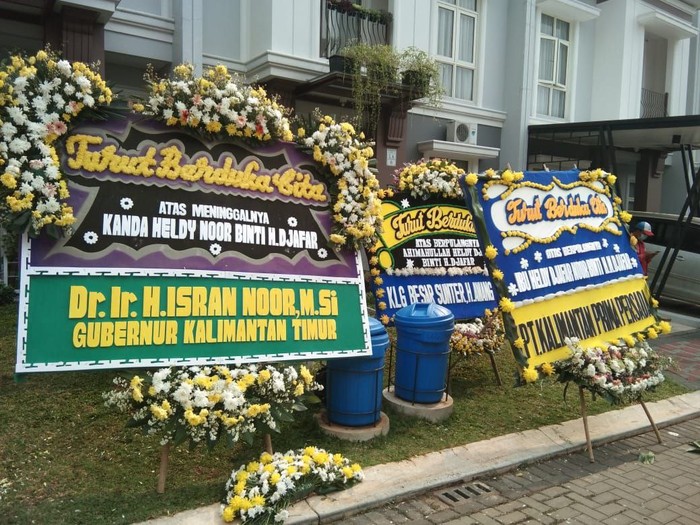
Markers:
point(463, 132)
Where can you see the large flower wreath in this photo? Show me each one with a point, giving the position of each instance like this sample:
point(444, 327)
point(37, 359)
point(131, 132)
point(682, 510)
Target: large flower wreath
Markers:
point(40, 97)
point(220, 105)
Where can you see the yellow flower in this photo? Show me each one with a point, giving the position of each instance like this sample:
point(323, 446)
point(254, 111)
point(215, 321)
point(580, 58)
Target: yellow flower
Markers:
point(497, 275)
point(625, 216)
point(665, 327)
point(491, 252)
point(8, 180)
point(301, 133)
point(519, 343)
point(629, 340)
point(547, 369)
point(530, 375)
point(264, 376)
point(652, 334)
point(611, 179)
point(506, 305)
point(258, 500)
point(228, 514)
point(507, 176)
point(471, 179)
point(158, 412)
point(337, 239)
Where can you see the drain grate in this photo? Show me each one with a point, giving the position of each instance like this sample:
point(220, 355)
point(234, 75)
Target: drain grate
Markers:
point(463, 493)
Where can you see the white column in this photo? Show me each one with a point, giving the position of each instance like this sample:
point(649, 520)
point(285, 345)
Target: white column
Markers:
point(187, 41)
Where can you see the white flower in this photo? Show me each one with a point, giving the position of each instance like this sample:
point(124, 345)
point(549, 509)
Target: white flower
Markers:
point(513, 289)
point(322, 253)
point(215, 249)
point(524, 264)
point(292, 222)
point(538, 256)
point(126, 203)
point(90, 237)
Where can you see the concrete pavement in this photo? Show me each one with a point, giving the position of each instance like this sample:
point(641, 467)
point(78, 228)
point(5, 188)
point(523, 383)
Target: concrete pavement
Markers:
point(617, 489)
point(421, 475)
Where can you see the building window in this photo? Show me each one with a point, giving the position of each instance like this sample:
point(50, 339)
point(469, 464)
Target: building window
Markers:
point(456, 48)
point(554, 61)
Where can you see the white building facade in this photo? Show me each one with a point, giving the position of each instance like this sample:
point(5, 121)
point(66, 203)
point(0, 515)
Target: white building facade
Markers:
point(506, 65)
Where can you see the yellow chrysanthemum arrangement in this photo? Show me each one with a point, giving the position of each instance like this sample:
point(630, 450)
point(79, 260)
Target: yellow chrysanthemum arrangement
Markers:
point(217, 103)
point(345, 155)
point(261, 490)
point(427, 178)
point(208, 403)
point(41, 96)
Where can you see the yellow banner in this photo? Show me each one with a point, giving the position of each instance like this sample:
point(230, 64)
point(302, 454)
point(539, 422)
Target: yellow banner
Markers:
point(594, 316)
point(400, 225)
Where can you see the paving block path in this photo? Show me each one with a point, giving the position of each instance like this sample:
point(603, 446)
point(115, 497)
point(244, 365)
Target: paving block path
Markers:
point(618, 488)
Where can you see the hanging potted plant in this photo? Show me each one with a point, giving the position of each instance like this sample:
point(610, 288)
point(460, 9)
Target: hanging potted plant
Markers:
point(374, 72)
point(421, 74)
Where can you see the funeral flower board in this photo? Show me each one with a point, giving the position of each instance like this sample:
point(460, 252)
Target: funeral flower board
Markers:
point(187, 250)
point(428, 253)
point(560, 255)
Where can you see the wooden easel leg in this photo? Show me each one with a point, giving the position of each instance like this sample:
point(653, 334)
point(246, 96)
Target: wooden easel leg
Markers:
point(267, 440)
point(163, 471)
point(653, 425)
point(589, 445)
point(495, 368)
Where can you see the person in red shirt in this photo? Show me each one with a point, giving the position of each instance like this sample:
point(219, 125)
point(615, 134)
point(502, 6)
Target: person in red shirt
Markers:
point(641, 232)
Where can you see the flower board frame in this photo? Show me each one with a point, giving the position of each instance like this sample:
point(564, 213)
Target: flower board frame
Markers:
point(428, 252)
point(560, 257)
point(188, 250)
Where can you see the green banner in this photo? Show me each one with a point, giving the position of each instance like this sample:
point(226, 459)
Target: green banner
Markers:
point(123, 320)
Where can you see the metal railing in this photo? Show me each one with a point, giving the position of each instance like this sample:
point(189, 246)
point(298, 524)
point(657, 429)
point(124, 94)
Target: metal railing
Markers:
point(653, 104)
point(341, 24)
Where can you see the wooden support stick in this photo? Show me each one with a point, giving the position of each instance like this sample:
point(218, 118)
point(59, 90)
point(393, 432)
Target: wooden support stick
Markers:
point(653, 425)
point(495, 368)
point(163, 471)
point(268, 443)
point(589, 445)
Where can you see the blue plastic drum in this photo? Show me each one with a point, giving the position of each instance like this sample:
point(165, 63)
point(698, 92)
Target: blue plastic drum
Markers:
point(423, 332)
point(354, 384)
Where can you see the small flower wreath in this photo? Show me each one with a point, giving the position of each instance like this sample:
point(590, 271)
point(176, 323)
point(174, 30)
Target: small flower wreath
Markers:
point(261, 490)
point(427, 178)
point(620, 372)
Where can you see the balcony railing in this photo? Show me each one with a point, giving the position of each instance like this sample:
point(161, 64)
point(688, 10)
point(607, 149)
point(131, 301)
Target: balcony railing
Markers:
point(343, 22)
point(653, 104)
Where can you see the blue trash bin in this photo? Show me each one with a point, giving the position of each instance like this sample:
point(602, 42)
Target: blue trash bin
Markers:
point(423, 332)
point(354, 384)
